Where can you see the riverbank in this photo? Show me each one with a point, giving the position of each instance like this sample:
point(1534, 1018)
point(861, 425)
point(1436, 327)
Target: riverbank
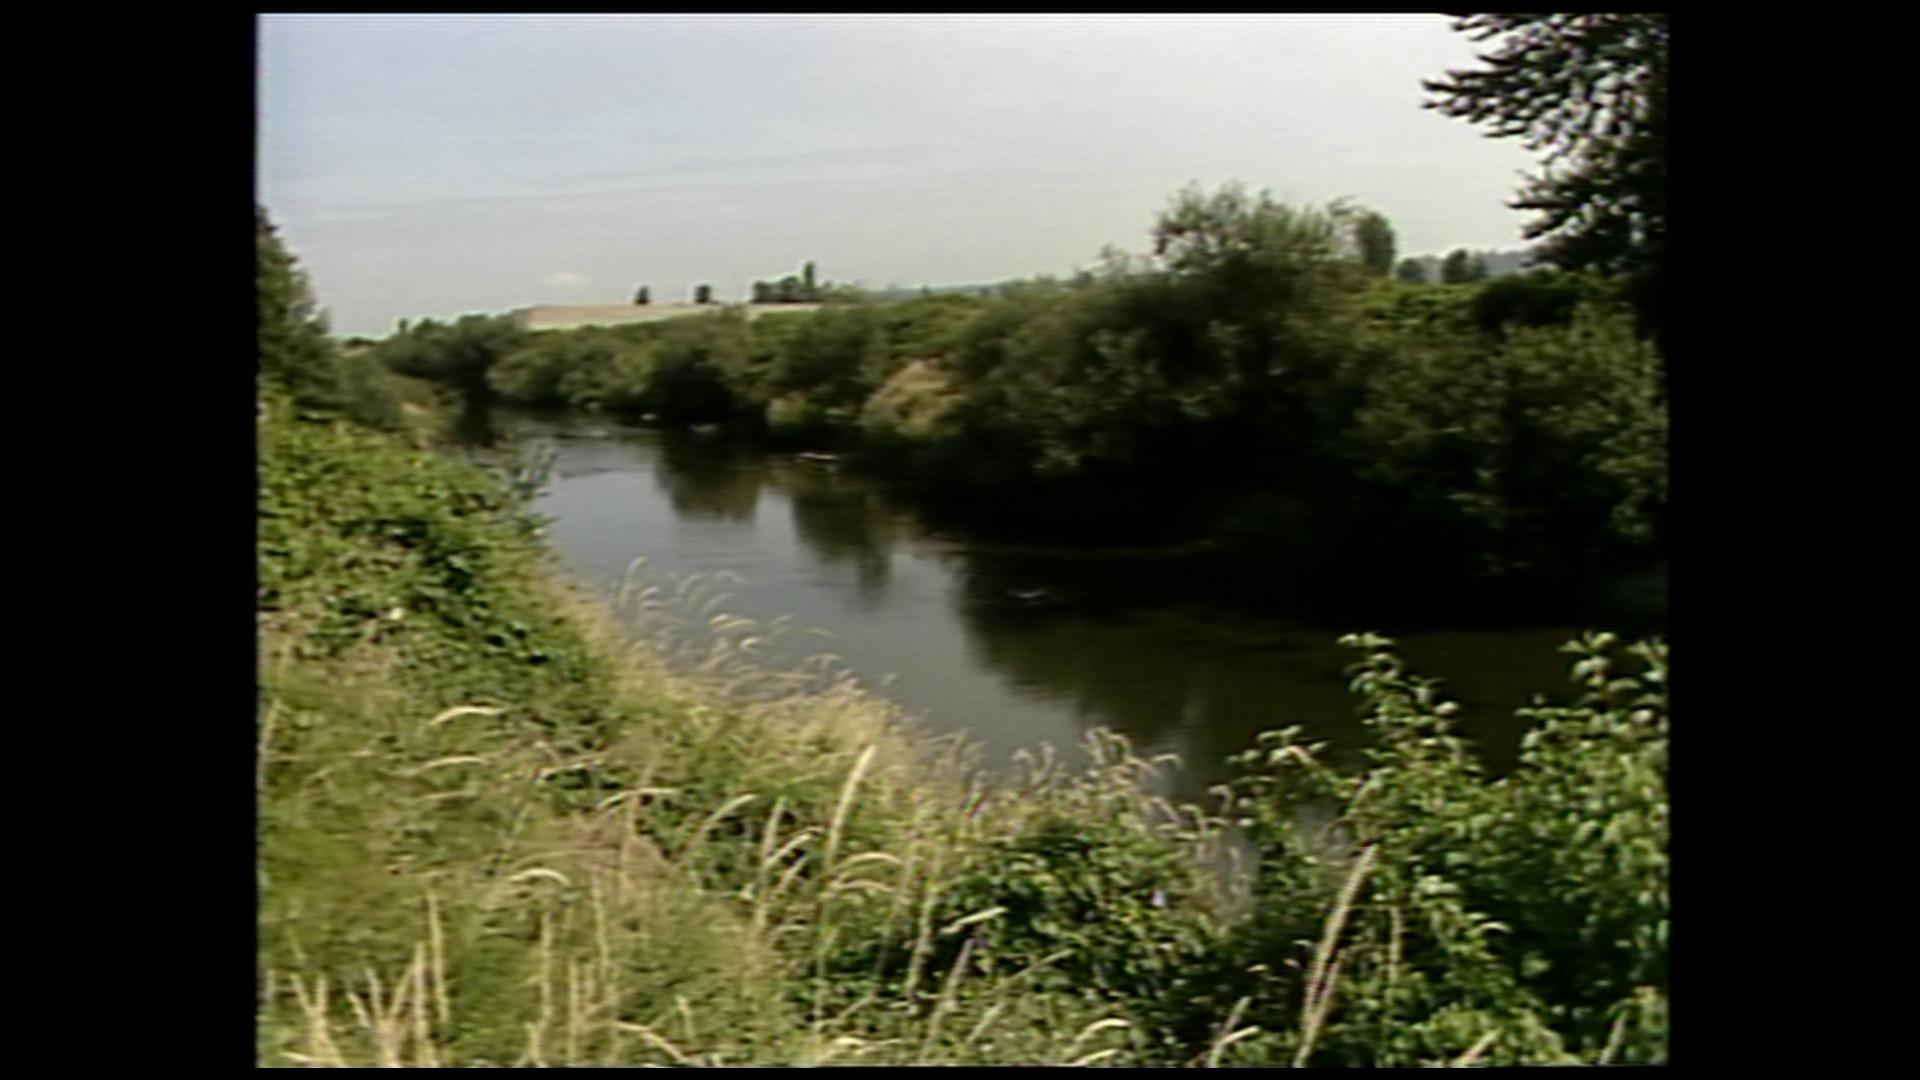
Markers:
point(494, 832)
point(1189, 651)
point(1314, 419)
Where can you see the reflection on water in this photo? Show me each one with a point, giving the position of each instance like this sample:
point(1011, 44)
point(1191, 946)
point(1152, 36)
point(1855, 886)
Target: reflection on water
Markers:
point(1016, 645)
point(473, 425)
point(703, 484)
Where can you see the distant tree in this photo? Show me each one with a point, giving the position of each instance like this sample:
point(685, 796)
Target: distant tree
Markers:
point(1373, 235)
point(1590, 90)
point(789, 289)
point(762, 293)
point(1461, 267)
point(703, 294)
point(807, 282)
point(1411, 270)
point(641, 297)
point(1236, 233)
point(458, 354)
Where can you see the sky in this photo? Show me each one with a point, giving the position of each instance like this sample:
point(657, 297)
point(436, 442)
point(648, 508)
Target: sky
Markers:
point(433, 165)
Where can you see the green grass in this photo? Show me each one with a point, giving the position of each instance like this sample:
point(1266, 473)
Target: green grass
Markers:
point(495, 831)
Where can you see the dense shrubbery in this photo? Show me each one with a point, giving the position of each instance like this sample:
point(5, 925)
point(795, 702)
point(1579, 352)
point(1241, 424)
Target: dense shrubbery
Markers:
point(1537, 450)
point(1523, 919)
point(459, 354)
point(1508, 428)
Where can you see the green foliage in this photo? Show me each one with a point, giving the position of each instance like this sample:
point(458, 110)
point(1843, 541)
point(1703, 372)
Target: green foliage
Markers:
point(1234, 230)
point(458, 354)
point(1529, 909)
point(804, 289)
point(1590, 90)
point(1539, 298)
point(567, 858)
point(369, 394)
point(1373, 238)
point(1250, 248)
point(768, 884)
point(1261, 356)
point(297, 356)
point(697, 368)
point(1542, 451)
point(1461, 267)
point(365, 541)
point(835, 358)
point(1412, 271)
point(294, 348)
point(585, 368)
point(1195, 366)
point(395, 584)
point(1093, 879)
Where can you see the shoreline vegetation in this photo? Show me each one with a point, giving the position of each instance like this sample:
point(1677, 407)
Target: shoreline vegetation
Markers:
point(494, 832)
point(1252, 386)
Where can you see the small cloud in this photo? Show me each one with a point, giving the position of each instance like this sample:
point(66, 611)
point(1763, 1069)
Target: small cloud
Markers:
point(566, 279)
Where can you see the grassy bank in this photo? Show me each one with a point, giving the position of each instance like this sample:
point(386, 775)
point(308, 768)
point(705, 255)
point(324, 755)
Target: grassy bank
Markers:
point(492, 831)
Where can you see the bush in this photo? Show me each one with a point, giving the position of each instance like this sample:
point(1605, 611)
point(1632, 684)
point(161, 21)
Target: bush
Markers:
point(458, 354)
point(1539, 298)
point(1541, 453)
point(1522, 920)
point(696, 372)
point(585, 368)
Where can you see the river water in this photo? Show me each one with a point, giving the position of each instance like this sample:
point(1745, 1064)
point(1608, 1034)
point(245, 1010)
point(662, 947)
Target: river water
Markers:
point(1015, 645)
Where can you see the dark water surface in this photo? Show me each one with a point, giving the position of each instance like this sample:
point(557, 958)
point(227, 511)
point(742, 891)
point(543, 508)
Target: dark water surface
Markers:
point(1016, 645)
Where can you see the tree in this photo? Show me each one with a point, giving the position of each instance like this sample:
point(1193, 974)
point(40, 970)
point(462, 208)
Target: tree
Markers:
point(1411, 270)
point(297, 356)
point(703, 294)
point(1591, 91)
point(458, 354)
point(1462, 268)
point(642, 297)
point(1373, 236)
point(294, 350)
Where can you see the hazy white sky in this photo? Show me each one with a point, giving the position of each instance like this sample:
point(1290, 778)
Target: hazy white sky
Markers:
point(439, 164)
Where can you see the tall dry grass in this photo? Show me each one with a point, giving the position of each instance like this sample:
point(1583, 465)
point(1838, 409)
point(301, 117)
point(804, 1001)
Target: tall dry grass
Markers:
point(660, 925)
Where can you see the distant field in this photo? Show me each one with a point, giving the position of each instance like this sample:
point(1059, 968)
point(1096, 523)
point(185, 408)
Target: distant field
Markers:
point(568, 316)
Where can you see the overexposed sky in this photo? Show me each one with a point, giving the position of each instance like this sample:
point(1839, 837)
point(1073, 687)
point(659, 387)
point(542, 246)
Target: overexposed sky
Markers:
point(431, 165)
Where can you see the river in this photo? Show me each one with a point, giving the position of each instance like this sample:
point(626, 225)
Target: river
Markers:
point(1014, 645)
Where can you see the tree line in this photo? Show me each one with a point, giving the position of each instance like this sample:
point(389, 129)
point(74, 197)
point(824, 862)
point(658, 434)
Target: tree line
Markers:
point(1263, 360)
point(1514, 425)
